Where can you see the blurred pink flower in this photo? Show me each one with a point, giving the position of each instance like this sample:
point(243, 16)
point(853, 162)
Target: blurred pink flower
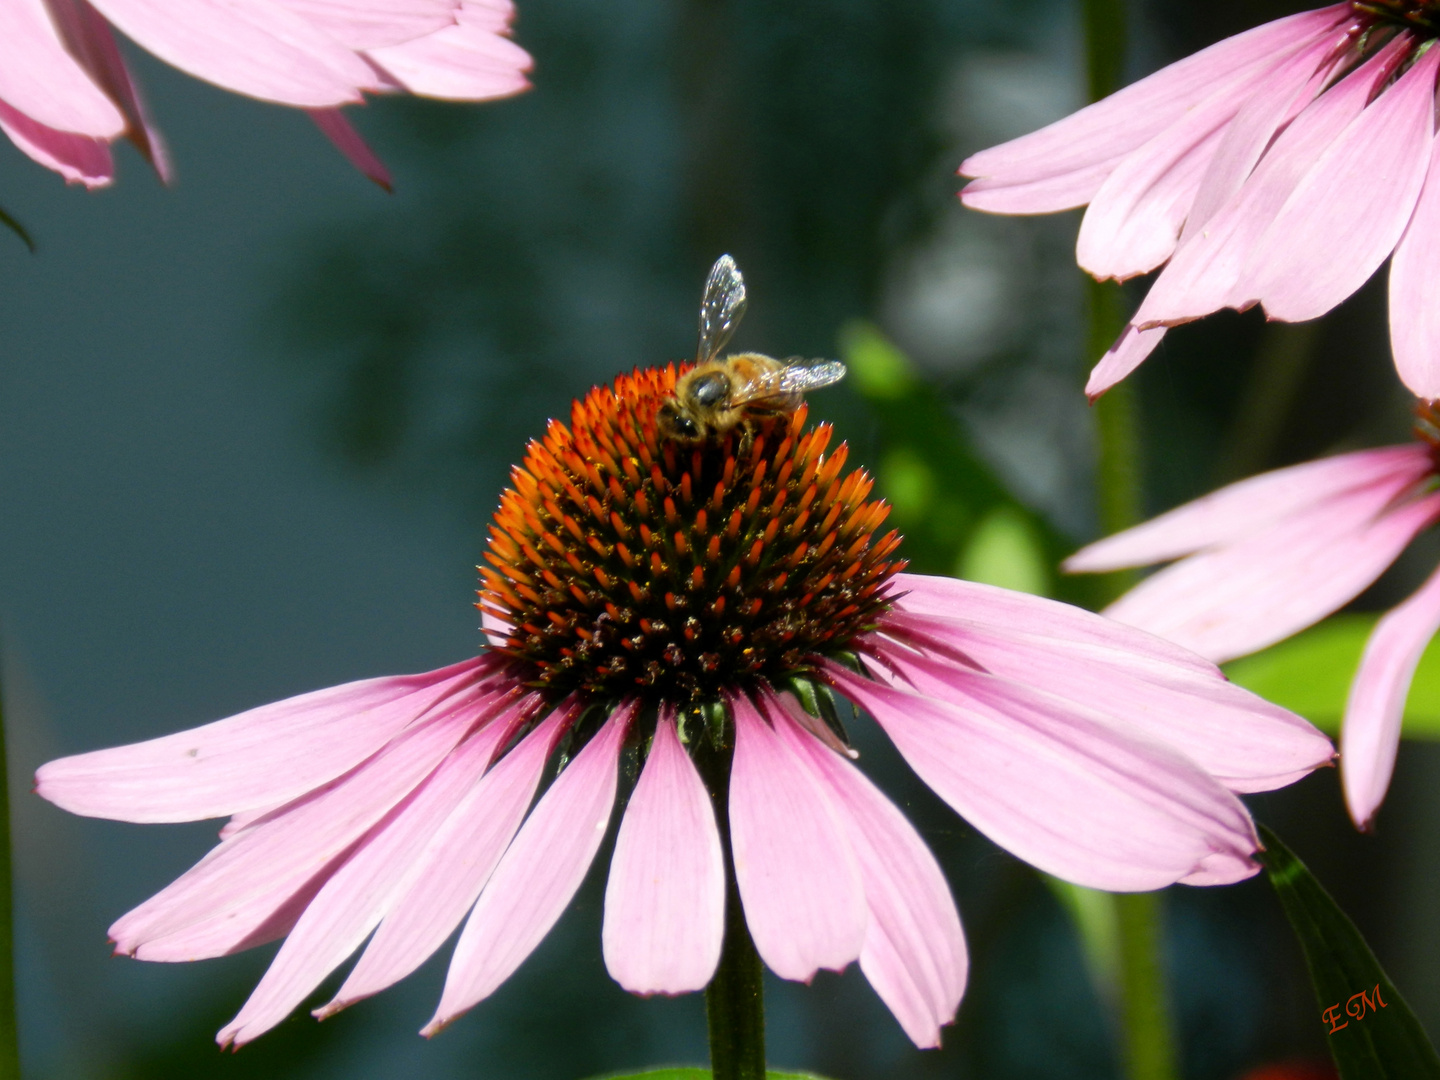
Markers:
point(1279, 167)
point(65, 92)
point(1268, 556)
point(1092, 750)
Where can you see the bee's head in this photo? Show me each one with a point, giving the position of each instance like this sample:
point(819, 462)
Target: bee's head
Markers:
point(710, 389)
point(675, 424)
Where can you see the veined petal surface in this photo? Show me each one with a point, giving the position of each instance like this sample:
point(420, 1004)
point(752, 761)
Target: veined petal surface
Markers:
point(1414, 272)
point(371, 24)
point(80, 159)
point(39, 78)
point(461, 63)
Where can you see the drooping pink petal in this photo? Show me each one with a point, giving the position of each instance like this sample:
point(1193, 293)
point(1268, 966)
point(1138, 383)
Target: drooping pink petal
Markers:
point(262, 757)
point(1242, 740)
point(665, 900)
point(538, 874)
point(354, 900)
point(88, 38)
point(39, 78)
point(80, 159)
point(1134, 220)
point(260, 48)
point(1251, 505)
point(1414, 272)
point(798, 876)
point(453, 867)
point(1371, 732)
point(1131, 350)
point(370, 24)
point(467, 62)
point(914, 953)
point(1005, 609)
point(228, 901)
point(1063, 165)
point(1230, 601)
point(1069, 791)
point(348, 141)
point(1344, 219)
point(1202, 275)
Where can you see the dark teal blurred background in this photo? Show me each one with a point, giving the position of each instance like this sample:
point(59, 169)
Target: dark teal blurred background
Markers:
point(251, 428)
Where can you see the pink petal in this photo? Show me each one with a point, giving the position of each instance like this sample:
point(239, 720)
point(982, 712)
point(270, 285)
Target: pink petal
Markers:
point(354, 900)
point(799, 880)
point(1249, 506)
point(230, 899)
point(665, 901)
point(537, 876)
point(468, 62)
point(1202, 275)
point(263, 757)
point(80, 159)
point(1242, 740)
point(454, 866)
point(260, 48)
point(1231, 601)
point(1371, 733)
point(348, 141)
point(914, 953)
point(1130, 351)
point(1005, 610)
point(370, 24)
point(1029, 175)
point(1414, 273)
point(1068, 791)
point(39, 78)
point(1345, 218)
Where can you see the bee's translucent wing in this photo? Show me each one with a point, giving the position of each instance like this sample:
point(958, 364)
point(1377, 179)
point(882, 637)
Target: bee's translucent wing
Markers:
point(799, 376)
point(721, 309)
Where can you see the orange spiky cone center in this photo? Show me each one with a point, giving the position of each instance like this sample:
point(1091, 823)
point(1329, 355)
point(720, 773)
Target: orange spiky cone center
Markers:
point(624, 563)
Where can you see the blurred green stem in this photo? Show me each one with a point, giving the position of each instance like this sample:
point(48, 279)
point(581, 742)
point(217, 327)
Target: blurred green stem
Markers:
point(1144, 1006)
point(9, 1035)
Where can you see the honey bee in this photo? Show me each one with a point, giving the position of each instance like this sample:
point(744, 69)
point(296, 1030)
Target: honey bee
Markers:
point(718, 395)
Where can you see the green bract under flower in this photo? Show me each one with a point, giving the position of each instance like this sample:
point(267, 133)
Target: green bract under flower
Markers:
point(622, 563)
point(1420, 15)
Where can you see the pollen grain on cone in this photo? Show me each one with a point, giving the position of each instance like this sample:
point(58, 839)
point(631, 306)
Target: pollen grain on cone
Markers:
point(622, 561)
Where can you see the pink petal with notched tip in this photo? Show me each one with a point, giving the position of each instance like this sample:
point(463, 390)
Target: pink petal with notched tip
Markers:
point(1345, 218)
point(370, 24)
point(39, 78)
point(262, 757)
point(467, 62)
point(1233, 600)
point(228, 900)
point(1067, 790)
point(914, 953)
point(1007, 610)
point(348, 141)
point(1202, 275)
point(798, 877)
point(537, 876)
point(1249, 506)
point(1029, 175)
point(1242, 740)
point(354, 900)
point(78, 158)
point(453, 866)
point(1371, 732)
point(1414, 278)
point(1134, 220)
point(665, 899)
point(259, 47)
point(1130, 351)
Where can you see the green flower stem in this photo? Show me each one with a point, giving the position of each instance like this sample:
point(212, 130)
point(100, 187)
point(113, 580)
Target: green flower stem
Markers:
point(1144, 1005)
point(735, 998)
point(9, 1036)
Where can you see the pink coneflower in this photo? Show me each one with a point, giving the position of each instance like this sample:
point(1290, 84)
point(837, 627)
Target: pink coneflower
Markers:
point(1268, 556)
point(65, 92)
point(692, 614)
point(1279, 167)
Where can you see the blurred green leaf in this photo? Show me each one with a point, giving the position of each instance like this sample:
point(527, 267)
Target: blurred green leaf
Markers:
point(700, 1074)
point(7, 220)
point(1371, 1032)
point(1006, 549)
point(1310, 674)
